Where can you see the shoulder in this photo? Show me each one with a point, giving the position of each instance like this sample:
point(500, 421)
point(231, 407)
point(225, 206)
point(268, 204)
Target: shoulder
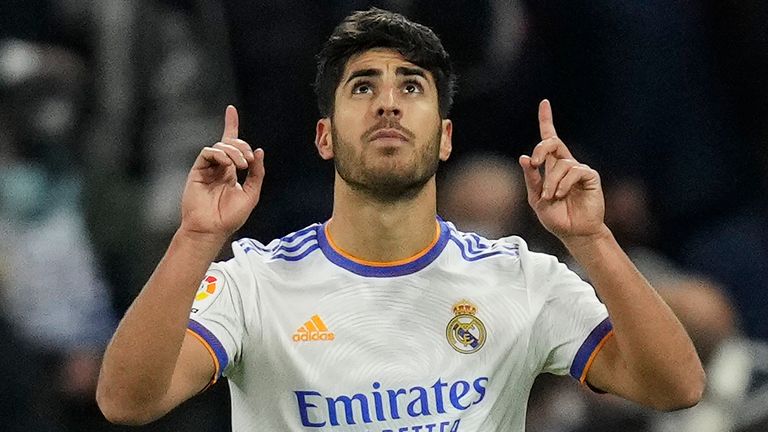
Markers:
point(473, 247)
point(510, 255)
point(291, 247)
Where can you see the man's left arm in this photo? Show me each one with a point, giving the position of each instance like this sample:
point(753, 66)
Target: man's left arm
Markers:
point(650, 358)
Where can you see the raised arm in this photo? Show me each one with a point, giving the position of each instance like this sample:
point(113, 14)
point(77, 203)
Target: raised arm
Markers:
point(152, 365)
point(650, 359)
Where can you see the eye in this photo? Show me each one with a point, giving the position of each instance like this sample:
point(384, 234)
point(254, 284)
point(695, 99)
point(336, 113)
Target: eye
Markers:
point(362, 87)
point(413, 87)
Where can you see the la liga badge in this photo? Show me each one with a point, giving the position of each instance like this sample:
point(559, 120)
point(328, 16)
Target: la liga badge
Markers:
point(210, 288)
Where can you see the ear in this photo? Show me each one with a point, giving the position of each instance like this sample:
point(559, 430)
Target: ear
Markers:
point(324, 138)
point(446, 143)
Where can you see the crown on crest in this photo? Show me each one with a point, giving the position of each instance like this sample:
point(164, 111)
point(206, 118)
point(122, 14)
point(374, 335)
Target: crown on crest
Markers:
point(464, 307)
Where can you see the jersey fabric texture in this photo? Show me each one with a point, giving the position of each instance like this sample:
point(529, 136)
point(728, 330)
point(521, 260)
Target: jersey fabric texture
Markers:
point(451, 339)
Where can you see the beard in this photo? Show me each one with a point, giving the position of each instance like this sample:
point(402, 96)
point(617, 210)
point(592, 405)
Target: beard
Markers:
point(386, 174)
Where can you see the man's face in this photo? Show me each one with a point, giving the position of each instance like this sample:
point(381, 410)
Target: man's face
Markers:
point(385, 135)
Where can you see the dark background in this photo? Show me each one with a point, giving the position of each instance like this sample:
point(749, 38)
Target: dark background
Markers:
point(672, 96)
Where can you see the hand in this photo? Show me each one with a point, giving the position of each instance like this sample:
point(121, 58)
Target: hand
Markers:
point(567, 198)
point(214, 204)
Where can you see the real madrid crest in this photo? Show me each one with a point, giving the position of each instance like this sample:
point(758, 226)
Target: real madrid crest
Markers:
point(465, 332)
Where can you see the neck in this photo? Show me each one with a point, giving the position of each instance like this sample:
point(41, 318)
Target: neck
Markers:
point(382, 231)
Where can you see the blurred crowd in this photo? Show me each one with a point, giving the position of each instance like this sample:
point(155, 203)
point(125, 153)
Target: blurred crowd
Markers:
point(105, 104)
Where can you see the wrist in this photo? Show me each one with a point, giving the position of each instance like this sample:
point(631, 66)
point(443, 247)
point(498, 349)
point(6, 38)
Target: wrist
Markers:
point(588, 243)
point(204, 240)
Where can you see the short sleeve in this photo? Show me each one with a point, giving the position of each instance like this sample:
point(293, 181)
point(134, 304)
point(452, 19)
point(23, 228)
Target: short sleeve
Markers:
point(217, 317)
point(572, 324)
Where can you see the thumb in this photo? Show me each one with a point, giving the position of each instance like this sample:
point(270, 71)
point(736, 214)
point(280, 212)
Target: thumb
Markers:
point(533, 180)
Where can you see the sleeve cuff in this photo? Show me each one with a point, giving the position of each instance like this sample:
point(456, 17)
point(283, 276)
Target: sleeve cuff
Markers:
point(589, 349)
point(212, 344)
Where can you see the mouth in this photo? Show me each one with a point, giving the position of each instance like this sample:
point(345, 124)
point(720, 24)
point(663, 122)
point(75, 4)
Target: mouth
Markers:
point(388, 135)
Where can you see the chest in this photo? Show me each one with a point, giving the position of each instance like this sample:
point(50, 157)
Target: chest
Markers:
point(428, 349)
point(345, 328)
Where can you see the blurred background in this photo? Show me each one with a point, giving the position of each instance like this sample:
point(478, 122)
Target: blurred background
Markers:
point(105, 104)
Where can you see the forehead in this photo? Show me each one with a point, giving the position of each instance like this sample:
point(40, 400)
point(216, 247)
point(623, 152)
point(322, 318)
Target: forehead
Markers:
point(385, 59)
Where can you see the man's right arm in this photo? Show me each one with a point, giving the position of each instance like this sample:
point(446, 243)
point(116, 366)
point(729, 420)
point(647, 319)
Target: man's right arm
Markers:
point(152, 364)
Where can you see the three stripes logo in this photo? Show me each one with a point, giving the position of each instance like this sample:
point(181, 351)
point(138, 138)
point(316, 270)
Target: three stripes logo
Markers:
point(313, 330)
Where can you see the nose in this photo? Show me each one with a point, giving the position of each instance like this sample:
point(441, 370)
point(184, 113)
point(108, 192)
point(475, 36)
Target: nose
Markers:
point(387, 104)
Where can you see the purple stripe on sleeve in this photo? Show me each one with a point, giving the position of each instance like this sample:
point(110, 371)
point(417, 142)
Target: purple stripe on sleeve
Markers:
point(218, 348)
point(588, 347)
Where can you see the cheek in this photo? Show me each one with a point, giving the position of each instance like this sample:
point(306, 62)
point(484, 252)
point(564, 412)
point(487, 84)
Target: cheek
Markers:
point(424, 116)
point(347, 126)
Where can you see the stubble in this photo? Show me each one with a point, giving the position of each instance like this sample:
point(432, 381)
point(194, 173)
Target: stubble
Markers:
point(386, 176)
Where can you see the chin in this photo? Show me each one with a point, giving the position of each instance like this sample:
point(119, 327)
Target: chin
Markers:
point(394, 184)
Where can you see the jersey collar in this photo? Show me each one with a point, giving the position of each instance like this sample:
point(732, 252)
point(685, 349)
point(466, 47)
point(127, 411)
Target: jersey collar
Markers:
point(384, 269)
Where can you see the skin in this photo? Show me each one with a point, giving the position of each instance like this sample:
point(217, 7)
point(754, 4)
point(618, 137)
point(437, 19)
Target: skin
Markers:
point(396, 210)
point(385, 196)
point(135, 388)
point(650, 359)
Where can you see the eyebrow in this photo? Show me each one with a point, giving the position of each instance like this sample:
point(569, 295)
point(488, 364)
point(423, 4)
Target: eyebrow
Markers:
point(401, 70)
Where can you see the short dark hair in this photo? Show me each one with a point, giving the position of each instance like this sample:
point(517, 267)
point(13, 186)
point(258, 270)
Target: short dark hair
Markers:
point(378, 28)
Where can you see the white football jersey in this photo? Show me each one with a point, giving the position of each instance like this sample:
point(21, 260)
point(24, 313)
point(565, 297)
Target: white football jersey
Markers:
point(451, 339)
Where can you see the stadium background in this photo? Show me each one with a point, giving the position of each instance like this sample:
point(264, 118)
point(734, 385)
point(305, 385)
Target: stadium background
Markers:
point(104, 105)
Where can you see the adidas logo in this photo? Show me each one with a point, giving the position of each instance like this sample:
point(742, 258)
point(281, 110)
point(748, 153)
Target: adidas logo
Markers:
point(313, 330)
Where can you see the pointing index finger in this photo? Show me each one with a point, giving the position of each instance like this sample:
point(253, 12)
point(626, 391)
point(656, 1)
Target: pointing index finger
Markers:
point(231, 122)
point(546, 125)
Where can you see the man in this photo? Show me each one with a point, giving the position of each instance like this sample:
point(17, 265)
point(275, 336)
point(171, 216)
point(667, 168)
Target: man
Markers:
point(385, 317)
